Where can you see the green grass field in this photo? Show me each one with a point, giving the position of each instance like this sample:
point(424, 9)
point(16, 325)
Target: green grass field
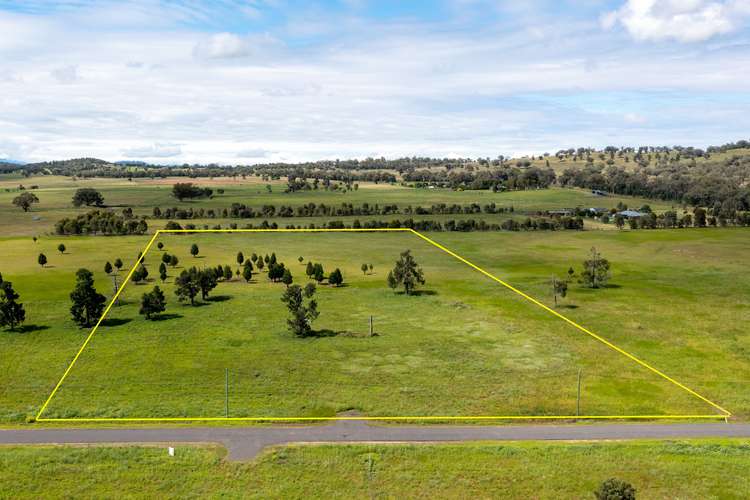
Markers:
point(678, 300)
point(694, 469)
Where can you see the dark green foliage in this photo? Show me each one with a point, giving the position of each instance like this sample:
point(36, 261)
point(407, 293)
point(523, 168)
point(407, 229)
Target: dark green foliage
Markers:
point(42, 259)
point(240, 258)
point(615, 489)
point(194, 250)
point(166, 258)
point(187, 190)
point(173, 260)
point(287, 278)
point(160, 245)
point(559, 288)
point(187, 286)
point(247, 271)
point(61, 248)
point(275, 271)
point(152, 303)
point(260, 264)
point(163, 272)
point(100, 222)
point(300, 259)
point(254, 257)
point(140, 274)
point(595, 270)
point(406, 273)
point(88, 197)
point(207, 281)
point(364, 268)
point(336, 278)
point(301, 314)
point(88, 304)
point(108, 268)
point(310, 270)
point(118, 263)
point(318, 273)
point(228, 273)
point(24, 200)
point(12, 312)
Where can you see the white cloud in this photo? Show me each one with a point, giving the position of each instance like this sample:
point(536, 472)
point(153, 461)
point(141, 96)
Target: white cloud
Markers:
point(681, 20)
point(230, 46)
point(65, 74)
point(156, 150)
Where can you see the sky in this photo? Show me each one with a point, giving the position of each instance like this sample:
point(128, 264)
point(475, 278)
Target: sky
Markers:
point(255, 81)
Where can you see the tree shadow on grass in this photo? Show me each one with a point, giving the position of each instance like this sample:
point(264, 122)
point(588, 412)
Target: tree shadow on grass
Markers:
point(219, 298)
point(116, 321)
point(569, 306)
point(165, 317)
point(29, 328)
point(612, 285)
point(419, 293)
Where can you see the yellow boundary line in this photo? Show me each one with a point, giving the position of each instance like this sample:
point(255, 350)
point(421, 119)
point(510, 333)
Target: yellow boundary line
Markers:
point(725, 413)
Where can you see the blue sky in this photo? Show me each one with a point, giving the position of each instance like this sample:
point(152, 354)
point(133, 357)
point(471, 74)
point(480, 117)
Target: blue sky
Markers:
point(247, 81)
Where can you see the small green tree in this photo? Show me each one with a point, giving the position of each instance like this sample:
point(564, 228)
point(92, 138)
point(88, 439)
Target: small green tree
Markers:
point(247, 271)
point(364, 268)
point(152, 303)
point(336, 278)
point(301, 314)
point(406, 273)
point(254, 257)
point(140, 273)
point(88, 304)
point(559, 288)
point(194, 250)
point(286, 278)
point(24, 200)
point(260, 264)
point(318, 273)
point(595, 270)
point(61, 248)
point(118, 264)
point(160, 245)
point(163, 272)
point(42, 259)
point(370, 267)
point(12, 312)
point(228, 273)
point(173, 260)
point(166, 258)
point(310, 270)
point(240, 258)
point(615, 489)
point(187, 286)
point(108, 268)
point(300, 259)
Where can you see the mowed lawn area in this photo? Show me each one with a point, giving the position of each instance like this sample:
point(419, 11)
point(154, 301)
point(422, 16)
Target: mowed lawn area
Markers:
point(690, 469)
point(463, 346)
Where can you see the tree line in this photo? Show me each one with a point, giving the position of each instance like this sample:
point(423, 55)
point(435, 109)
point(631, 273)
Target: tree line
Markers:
point(101, 222)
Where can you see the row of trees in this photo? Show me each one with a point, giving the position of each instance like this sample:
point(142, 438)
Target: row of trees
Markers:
point(100, 222)
point(242, 211)
point(469, 225)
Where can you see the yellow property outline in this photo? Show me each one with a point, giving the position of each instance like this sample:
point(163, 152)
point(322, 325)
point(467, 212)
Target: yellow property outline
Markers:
point(724, 413)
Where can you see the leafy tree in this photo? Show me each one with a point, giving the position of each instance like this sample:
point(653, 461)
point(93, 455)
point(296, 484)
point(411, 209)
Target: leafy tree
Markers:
point(310, 270)
point(266, 259)
point(187, 286)
point(286, 278)
point(619, 221)
point(406, 273)
point(160, 245)
point(301, 314)
point(12, 312)
point(300, 259)
point(254, 257)
point(24, 200)
point(166, 258)
point(140, 273)
point(42, 259)
point(247, 271)
point(318, 273)
point(260, 264)
point(615, 489)
point(88, 197)
point(595, 270)
point(163, 272)
point(183, 190)
point(61, 248)
point(108, 268)
point(275, 271)
point(207, 281)
point(272, 259)
point(173, 260)
point(370, 267)
point(118, 264)
point(88, 304)
point(559, 288)
point(336, 278)
point(240, 258)
point(228, 273)
point(364, 268)
point(152, 303)
point(194, 250)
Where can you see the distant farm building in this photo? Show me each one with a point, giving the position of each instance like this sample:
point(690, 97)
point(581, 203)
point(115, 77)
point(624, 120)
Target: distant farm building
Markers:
point(631, 214)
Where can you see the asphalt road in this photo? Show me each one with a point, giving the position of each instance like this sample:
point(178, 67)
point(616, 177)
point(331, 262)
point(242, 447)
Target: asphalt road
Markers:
point(246, 442)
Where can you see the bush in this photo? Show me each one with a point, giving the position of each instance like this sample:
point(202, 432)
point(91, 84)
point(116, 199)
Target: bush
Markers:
point(615, 489)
